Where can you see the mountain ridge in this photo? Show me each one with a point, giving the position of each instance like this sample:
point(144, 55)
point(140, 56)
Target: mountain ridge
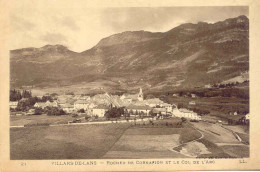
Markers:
point(183, 56)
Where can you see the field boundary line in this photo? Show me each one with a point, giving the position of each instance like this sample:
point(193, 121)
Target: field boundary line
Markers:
point(202, 135)
point(116, 141)
point(234, 133)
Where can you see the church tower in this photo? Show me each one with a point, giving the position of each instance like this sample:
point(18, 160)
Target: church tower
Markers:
point(140, 95)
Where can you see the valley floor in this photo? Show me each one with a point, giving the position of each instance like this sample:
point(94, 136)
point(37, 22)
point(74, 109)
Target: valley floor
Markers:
point(163, 139)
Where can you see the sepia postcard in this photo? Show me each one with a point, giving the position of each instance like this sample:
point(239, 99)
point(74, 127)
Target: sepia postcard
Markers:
point(129, 85)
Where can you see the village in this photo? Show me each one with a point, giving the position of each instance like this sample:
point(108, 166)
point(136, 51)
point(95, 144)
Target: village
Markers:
point(98, 106)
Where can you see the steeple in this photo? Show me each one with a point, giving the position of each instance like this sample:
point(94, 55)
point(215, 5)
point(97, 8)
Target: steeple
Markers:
point(140, 95)
point(140, 91)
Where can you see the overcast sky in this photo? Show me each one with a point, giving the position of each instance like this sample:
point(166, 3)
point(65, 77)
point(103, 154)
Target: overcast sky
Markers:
point(82, 28)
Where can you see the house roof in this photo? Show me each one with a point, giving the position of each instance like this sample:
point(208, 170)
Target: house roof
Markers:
point(154, 101)
point(131, 96)
point(101, 107)
point(81, 102)
point(157, 110)
point(67, 105)
point(13, 103)
point(135, 107)
point(185, 110)
point(42, 104)
point(61, 100)
point(235, 117)
point(166, 104)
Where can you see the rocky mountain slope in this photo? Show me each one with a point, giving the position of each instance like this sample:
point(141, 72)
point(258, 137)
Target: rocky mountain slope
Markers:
point(189, 55)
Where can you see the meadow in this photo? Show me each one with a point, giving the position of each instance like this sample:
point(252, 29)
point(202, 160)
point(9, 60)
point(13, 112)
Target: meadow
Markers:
point(40, 119)
point(64, 142)
point(162, 139)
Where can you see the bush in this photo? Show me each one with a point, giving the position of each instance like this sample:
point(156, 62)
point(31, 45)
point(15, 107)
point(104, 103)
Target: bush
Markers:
point(46, 98)
point(87, 118)
point(183, 119)
point(26, 104)
point(193, 120)
point(76, 121)
point(38, 111)
point(54, 111)
point(74, 115)
point(180, 105)
point(81, 111)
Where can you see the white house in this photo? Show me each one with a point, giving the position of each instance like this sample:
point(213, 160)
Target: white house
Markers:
point(167, 106)
point(13, 104)
point(40, 105)
point(175, 95)
point(208, 86)
point(81, 104)
point(31, 112)
point(247, 116)
point(91, 105)
point(139, 109)
point(192, 103)
point(185, 113)
point(46, 104)
point(51, 104)
point(154, 102)
point(61, 102)
point(157, 111)
point(100, 110)
point(68, 108)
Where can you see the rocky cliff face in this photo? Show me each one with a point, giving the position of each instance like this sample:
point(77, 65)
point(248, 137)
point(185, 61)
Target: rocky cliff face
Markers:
point(189, 55)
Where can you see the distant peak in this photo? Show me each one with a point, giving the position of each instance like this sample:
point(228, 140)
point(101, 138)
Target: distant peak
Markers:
point(239, 19)
point(53, 46)
point(202, 23)
point(242, 16)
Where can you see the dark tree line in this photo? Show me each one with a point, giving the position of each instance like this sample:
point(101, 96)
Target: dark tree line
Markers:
point(114, 112)
point(224, 92)
point(15, 95)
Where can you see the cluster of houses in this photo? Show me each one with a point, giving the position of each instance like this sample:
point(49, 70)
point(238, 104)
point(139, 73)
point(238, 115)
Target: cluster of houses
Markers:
point(97, 105)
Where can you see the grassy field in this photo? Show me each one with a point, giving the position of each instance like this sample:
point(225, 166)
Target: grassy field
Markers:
point(33, 119)
point(215, 151)
point(153, 141)
point(236, 151)
point(64, 142)
point(140, 143)
point(215, 133)
point(126, 140)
